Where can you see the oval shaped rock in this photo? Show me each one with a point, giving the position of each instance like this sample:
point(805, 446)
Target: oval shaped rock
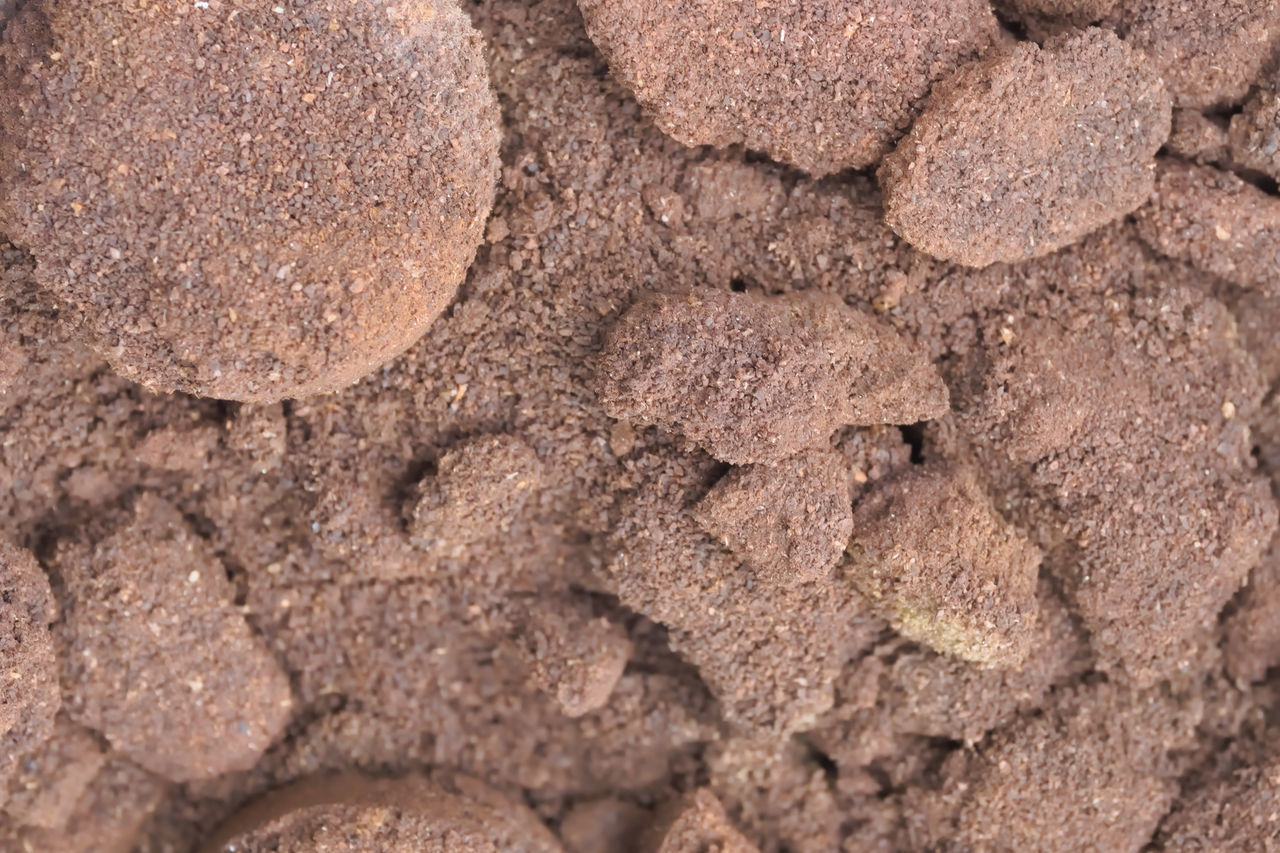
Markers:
point(1027, 152)
point(248, 202)
point(822, 86)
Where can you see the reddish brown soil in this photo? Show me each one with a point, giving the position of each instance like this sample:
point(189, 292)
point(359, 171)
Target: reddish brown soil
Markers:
point(210, 246)
point(711, 514)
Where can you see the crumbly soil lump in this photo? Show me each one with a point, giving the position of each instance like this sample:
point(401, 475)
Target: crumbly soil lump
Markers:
point(442, 814)
point(1208, 53)
point(598, 541)
point(29, 695)
point(1028, 150)
point(823, 88)
point(159, 660)
point(156, 169)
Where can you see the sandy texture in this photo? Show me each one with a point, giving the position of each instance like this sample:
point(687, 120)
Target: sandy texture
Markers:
point(822, 88)
point(158, 659)
point(210, 246)
point(940, 565)
point(466, 561)
point(1208, 53)
point(29, 696)
point(346, 812)
point(755, 379)
point(1027, 151)
point(1215, 221)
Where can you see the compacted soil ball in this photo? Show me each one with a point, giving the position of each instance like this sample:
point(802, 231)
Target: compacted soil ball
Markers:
point(247, 202)
point(822, 86)
point(159, 659)
point(355, 814)
point(1028, 151)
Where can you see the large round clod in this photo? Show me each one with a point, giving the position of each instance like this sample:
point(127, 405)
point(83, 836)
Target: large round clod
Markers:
point(247, 201)
point(822, 86)
point(446, 813)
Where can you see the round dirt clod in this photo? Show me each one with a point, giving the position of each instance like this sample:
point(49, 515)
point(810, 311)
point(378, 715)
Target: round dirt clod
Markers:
point(248, 202)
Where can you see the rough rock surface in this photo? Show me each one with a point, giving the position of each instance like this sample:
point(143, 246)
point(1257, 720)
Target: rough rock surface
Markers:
point(158, 658)
point(1208, 52)
point(29, 696)
point(757, 379)
point(700, 824)
point(937, 561)
point(1238, 810)
point(443, 813)
point(1028, 150)
point(823, 88)
point(169, 199)
point(1061, 766)
point(1255, 131)
point(1059, 406)
point(1213, 220)
point(789, 522)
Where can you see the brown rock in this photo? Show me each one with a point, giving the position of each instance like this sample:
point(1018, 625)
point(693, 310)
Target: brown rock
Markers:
point(789, 522)
point(286, 263)
point(260, 433)
point(1255, 131)
point(1214, 221)
point(1208, 52)
point(1054, 783)
point(159, 660)
point(902, 689)
point(1028, 150)
point(572, 655)
point(605, 825)
point(937, 561)
point(110, 817)
point(1198, 137)
point(183, 449)
point(823, 88)
point(1251, 633)
point(1237, 811)
point(1131, 370)
point(699, 824)
point(1076, 13)
point(444, 813)
point(29, 696)
point(769, 655)
point(757, 379)
point(481, 486)
point(52, 780)
point(776, 790)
